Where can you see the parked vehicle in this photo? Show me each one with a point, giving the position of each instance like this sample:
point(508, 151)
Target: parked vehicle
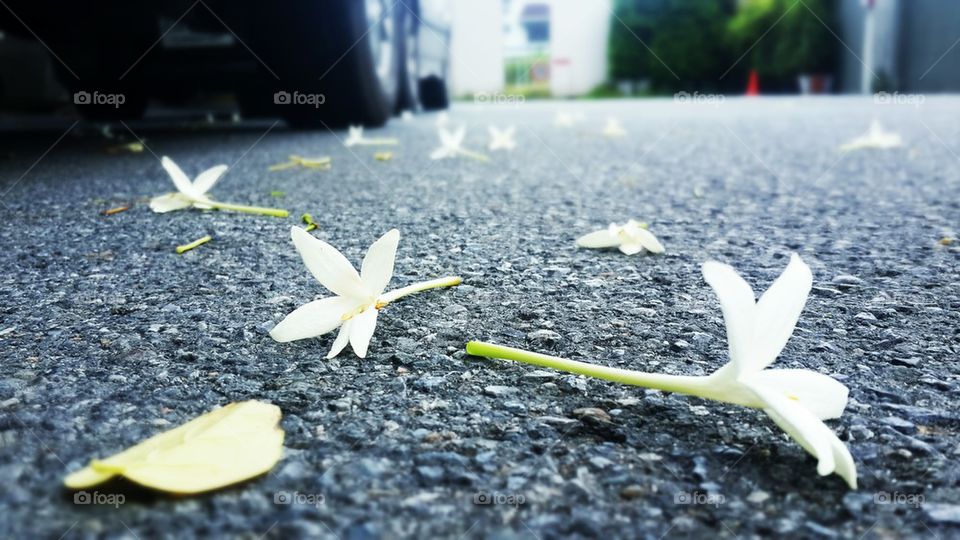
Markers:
point(311, 62)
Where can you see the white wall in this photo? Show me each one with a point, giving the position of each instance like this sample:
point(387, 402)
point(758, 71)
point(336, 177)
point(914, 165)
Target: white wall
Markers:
point(476, 47)
point(578, 45)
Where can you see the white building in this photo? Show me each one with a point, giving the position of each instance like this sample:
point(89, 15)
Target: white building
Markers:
point(565, 42)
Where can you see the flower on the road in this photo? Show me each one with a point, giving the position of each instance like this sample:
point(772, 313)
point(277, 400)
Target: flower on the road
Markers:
point(614, 128)
point(358, 296)
point(406, 115)
point(322, 163)
point(451, 145)
point(797, 400)
point(566, 119)
point(632, 237)
point(194, 194)
point(355, 137)
point(501, 139)
point(222, 447)
point(875, 137)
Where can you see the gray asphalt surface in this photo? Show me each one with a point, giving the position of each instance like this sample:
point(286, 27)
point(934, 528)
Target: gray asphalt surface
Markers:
point(108, 336)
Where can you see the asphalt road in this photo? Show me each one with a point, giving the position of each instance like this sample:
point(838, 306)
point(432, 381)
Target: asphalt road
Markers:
point(108, 336)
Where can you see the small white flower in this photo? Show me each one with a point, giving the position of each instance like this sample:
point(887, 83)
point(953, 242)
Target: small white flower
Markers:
point(406, 115)
point(757, 331)
point(632, 237)
point(188, 193)
point(797, 400)
point(355, 137)
point(875, 137)
point(614, 128)
point(501, 139)
point(194, 194)
point(451, 145)
point(359, 296)
point(567, 119)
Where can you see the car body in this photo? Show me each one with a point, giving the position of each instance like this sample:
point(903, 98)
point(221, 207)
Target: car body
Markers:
point(312, 62)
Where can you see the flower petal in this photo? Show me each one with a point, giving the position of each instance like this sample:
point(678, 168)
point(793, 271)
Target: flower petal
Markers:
point(778, 311)
point(169, 202)
point(329, 266)
point(631, 248)
point(208, 178)
point(738, 306)
point(342, 339)
point(598, 239)
point(180, 178)
point(820, 394)
point(361, 331)
point(377, 267)
point(647, 240)
point(439, 153)
point(313, 319)
point(811, 433)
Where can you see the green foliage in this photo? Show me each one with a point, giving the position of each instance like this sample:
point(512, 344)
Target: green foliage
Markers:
point(692, 43)
point(677, 44)
point(788, 37)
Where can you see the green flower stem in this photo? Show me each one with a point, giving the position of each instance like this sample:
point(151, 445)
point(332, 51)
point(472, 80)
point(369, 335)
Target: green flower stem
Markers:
point(473, 155)
point(397, 294)
point(198, 242)
point(248, 209)
point(378, 142)
point(683, 384)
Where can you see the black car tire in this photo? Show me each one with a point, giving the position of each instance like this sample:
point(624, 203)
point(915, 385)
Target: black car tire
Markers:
point(433, 93)
point(320, 69)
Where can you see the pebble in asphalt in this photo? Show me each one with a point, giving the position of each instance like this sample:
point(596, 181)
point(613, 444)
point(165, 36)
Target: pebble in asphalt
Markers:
point(108, 336)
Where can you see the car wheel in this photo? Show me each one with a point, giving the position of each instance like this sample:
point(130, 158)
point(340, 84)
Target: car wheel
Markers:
point(336, 62)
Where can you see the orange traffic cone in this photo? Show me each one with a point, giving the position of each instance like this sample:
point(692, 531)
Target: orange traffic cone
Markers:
point(753, 84)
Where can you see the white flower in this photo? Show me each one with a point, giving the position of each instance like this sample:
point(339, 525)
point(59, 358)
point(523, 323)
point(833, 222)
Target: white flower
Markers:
point(632, 237)
point(566, 119)
point(757, 330)
point(359, 296)
point(406, 115)
point(355, 137)
point(614, 128)
point(194, 194)
point(501, 139)
point(875, 137)
point(451, 145)
point(188, 193)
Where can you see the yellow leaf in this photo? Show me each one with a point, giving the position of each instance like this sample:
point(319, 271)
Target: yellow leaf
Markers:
point(223, 447)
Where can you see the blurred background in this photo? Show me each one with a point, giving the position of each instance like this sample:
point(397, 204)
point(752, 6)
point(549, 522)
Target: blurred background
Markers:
point(362, 61)
point(563, 48)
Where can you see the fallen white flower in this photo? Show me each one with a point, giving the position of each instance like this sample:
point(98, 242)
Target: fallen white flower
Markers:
point(501, 139)
point(194, 194)
point(359, 297)
point(614, 128)
point(355, 137)
point(798, 400)
point(406, 115)
point(875, 137)
point(566, 119)
point(632, 237)
point(451, 145)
